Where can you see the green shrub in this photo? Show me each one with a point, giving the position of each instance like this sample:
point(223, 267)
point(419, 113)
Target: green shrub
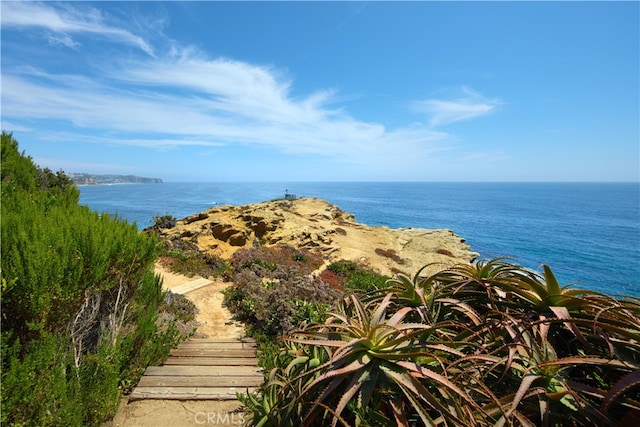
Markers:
point(357, 278)
point(190, 261)
point(300, 257)
point(343, 268)
point(180, 308)
point(37, 390)
point(79, 301)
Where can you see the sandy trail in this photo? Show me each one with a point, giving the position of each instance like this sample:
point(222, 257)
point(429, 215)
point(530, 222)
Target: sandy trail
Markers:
point(215, 322)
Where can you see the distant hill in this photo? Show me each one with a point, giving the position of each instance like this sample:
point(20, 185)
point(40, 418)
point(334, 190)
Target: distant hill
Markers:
point(90, 179)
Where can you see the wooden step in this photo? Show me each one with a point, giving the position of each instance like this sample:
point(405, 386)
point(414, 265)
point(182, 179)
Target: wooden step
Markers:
point(200, 381)
point(230, 343)
point(203, 369)
point(211, 352)
point(188, 393)
point(212, 371)
point(212, 361)
point(191, 286)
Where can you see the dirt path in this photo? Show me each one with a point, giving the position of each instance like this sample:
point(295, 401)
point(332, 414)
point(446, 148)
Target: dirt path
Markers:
point(215, 322)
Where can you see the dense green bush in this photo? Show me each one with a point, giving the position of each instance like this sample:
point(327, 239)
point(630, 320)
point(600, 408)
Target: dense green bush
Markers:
point(356, 278)
point(79, 301)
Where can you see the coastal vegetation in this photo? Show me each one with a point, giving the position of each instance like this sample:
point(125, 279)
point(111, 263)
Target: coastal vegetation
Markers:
point(83, 313)
point(473, 344)
point(485, 344)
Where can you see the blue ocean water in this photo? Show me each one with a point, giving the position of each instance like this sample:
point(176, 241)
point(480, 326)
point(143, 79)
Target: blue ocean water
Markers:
point(589, 233)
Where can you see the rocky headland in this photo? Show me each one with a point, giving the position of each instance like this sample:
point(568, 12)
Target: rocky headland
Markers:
point(91, 179)
point(316, 225)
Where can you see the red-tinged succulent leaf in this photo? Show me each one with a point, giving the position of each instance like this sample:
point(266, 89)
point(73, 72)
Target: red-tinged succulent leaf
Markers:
point(563, 313)
point(630, 380)
point(318, 342)
point(310, 420)
point(525, 384)
point(399, 413)
point(378, 314)
point(572, 361)
point(398, 316)
point(352, 389)
point(369, 388)
point(464, 308)
point(417, 395)
point(351, 367)
point(427, 373)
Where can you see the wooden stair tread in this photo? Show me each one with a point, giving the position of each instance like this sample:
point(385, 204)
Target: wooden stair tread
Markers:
point(203, 369)
point(212, 361)
point(191, 286)
point(188, 393)
point(199, 381)
point(211, 371)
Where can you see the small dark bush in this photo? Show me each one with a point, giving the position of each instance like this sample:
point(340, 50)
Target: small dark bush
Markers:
point(343, 268)
point(391, 254)
point(332, 279)
point(164, 221)
point(276, 258)
point(193, 262)
point(445, 252)
point(180, 307)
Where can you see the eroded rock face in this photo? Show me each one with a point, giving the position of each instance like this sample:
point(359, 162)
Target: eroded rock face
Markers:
point(317, 225)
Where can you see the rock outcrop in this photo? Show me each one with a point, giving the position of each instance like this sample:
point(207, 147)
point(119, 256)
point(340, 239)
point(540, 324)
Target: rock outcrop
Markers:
point(314, 224)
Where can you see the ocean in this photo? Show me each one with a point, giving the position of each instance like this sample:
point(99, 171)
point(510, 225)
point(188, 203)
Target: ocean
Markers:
point(588, 233)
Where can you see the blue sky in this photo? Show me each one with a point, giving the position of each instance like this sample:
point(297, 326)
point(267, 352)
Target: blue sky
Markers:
point(326, 91)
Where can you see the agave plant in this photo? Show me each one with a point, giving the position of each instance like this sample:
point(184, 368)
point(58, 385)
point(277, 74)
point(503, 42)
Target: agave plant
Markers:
point(544, 389)
point(417, 292)
point(374, 366)
point(275, 404)
point(559, 356)
point(484, 344)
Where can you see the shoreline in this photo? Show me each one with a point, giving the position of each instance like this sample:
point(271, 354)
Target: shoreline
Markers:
point(496, 219)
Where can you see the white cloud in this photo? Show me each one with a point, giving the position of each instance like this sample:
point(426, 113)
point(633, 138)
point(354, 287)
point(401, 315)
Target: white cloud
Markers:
point(446, 111)
point(14, 127)
point(193, 101)
point(64, 21)
point(182, 98)
point(63, 40)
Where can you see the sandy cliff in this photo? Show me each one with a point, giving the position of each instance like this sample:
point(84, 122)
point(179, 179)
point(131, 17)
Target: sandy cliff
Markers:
point(314, 224)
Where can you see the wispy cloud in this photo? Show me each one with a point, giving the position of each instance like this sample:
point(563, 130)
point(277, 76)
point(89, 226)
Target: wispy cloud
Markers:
point(182, 97)
point(14, 127)
point(62, 21)
point(62, 40)
point(446, 111)
point(198, 102)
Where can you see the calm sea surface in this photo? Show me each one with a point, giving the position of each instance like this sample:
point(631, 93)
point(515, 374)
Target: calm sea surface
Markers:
point(589, 233)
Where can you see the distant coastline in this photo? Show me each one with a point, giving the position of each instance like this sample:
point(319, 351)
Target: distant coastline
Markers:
point(91, 179)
